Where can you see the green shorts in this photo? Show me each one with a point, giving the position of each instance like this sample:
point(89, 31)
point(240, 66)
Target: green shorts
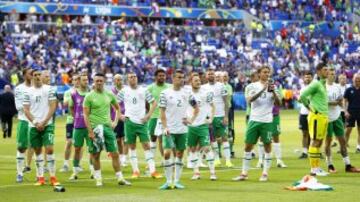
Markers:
point(22, 135)
point(336, 128)
point(175, 141)
point(79, 135)
point(219, 129)
point(109, 141)
point(152, 125)
point(198, 134)
point(43, 138)
point(133, 129)
point(256, 129)
point(276, 125)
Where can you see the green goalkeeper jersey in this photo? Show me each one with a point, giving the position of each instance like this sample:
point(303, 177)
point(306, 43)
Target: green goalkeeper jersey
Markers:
point(315, 96)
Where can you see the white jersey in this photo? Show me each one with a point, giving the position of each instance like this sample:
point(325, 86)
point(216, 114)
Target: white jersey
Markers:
point(343, 88)
point(262, 107)
point(135, 102)
point(19, 99)
point(38, 99)
point(204, 99)
point(334, 94)
point(219, 92)
point(303, 109)
point(176, 104)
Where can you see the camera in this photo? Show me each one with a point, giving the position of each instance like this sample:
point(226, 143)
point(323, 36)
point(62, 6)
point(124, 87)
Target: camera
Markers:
point(270, 85)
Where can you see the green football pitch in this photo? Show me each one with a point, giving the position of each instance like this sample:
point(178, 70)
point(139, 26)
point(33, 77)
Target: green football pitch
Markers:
point(146, 189)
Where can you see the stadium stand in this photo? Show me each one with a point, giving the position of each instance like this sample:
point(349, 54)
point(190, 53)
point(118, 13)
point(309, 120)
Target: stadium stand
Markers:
point(292, 39)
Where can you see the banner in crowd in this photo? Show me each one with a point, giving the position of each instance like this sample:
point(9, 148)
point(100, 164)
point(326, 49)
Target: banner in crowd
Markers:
point(104, 10)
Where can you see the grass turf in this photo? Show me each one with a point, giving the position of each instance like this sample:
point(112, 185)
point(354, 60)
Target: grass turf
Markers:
point(146, 189)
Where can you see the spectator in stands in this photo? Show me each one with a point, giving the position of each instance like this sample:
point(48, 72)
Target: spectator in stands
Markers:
point(7, 111)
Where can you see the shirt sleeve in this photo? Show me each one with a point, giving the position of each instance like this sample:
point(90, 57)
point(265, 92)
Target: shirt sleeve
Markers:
point(163, 101)
point(224, 91)
point(341, 96)
point(52, 94)
point(26, 100)
point(120, 96)
point(18, 99)
point(87, 101)
point(149, 98)
point(113, 100)
point(70, 101)
point(308, 91)
point(251, 91)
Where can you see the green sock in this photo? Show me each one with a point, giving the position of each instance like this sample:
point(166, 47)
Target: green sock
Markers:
point(76, 163)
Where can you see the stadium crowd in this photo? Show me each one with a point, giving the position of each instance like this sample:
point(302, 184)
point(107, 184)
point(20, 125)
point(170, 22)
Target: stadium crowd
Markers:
point(120, 46)
point(308, 10)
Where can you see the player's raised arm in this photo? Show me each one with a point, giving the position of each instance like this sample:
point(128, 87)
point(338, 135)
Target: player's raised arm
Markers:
point(277, 98)
point(253, 95)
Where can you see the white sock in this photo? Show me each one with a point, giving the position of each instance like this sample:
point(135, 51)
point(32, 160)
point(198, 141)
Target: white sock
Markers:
point(346, 160)
point(169, 169)
point(358, 146)
point(91, 167)
point(20, 160)
point(40, 165)
point(133, 160)
point(246, 162)
point(267, 162)
point(199, 158)
point(215, 148)
point(194, 161)
point(121, 159)
point(124, 159)
point(51, 164)
point(305, 150)
point(149, 157)
point(97, 174)
point(277, 150)
point(153, 147)
point(76, 170)
point(261, 152)
point(226, 148)
point(66, 163)
point(329, 160)
point(178, 169)
point(119, 175)
point(210, 160)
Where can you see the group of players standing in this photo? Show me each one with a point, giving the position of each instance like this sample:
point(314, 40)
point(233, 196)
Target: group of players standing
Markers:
point(178, 115)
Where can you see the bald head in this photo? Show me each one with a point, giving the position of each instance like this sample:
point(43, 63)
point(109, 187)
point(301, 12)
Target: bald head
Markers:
point(7, 88)
point(356, 80)
point(118, 81)
point(342, 79)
